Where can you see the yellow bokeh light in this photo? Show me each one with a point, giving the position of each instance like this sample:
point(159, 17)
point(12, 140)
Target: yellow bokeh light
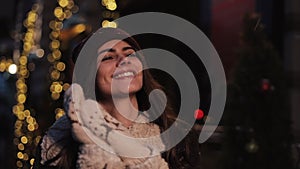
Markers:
point(66, 86)
point(111, 6)
point(58, 11)
point(60, 66)
point(32, 161)
point(20, 85)
point(30, 127)
point(18, 133)
point(25, 156)
point(37, 139)
point(58, 115)
point(29, 120)
point(24, 140)
point(21, 98)
point(54, 34)
point(21, 146)
point(2, 66)
point(106, 24)
point(58, 25)
point(18, 124)
point(32, 16)
point(63, 3)
point(57, 88)
point(26, 113)
point(55, 74)
point(56, 54)
point(27, 46)
point(70, 5)
point(55, 96)
point(68, 14)
point(20, 155)
point(19, 164)
point(50, 58)
point(75, 9)
point(23, 60)
point(55, 44)
point(36, 126)
point(21, 115)
point(104, 2)
point(28, 36)
point(79, 28)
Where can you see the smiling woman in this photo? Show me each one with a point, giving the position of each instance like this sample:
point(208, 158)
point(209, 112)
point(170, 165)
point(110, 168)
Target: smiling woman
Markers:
point(103, 123)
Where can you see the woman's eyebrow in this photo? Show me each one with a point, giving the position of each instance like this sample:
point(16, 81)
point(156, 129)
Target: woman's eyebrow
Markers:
point(106, 50)
point(127, 48)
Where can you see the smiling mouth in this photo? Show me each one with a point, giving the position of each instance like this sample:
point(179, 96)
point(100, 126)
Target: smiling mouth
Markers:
point(128, 74)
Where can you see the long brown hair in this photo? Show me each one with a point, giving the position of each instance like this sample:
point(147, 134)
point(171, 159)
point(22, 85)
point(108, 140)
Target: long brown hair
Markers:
point(184, 155)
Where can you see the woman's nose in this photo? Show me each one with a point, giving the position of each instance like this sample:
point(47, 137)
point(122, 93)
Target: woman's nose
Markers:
point(123, 60)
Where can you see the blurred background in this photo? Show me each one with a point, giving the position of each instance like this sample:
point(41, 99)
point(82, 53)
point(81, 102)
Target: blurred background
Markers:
point(257, 41)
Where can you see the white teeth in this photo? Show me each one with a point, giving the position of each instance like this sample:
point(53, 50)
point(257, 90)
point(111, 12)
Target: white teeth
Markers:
point(125, 74)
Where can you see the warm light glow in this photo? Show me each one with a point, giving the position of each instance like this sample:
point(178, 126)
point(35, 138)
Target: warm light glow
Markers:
point(56, 54)
point(29, 120)
point(55, 44)
point(25, 156)
point(58, 11)
point(30, 127)
point(24, 140)
point(68, 14)
point(63, 3)
point(32, 16)
point(28, 36)
point(106, 24)
point(2, 66)
point(66, 86)
point(19, 164)
point(26, 113)
point(32, 161)
point(23, 60)
point(79, 28)
point(21, 146)
point(59, 113)
point(20, 155)
point(21, 98)
point(12, 69)
point(57, 88)
point(55, 74)
point(39, 53)
point(55, 96)
point(111, 6)
point(60, 66)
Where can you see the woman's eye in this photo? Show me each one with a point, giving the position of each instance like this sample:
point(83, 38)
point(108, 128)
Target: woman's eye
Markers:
point(107, 58)
point(131, 55)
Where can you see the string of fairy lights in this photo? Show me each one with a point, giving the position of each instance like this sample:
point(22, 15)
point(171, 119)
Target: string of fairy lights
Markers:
point(110, 13)
point(26, 124)
point(26, 137)
point(63, 11)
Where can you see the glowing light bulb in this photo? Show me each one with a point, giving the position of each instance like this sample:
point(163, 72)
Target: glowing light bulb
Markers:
point(12, 69)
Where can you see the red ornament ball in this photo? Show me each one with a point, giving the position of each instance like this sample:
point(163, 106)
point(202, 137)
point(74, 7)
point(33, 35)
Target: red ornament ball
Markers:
point(198, 114)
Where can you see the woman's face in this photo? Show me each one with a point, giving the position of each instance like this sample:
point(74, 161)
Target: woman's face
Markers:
point(119, 66)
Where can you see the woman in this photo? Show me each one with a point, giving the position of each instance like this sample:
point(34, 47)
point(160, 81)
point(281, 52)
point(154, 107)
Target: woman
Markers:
point(121, 93)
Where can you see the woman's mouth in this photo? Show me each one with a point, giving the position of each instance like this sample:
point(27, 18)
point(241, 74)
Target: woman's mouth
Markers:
point(127, 74)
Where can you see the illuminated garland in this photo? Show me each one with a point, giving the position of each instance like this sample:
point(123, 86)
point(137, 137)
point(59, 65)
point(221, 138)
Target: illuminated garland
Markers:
point(110, 13)
point(26, 124)
point(63, 11)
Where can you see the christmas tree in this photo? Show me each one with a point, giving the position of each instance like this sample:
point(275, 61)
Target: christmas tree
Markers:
point(257, 116)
